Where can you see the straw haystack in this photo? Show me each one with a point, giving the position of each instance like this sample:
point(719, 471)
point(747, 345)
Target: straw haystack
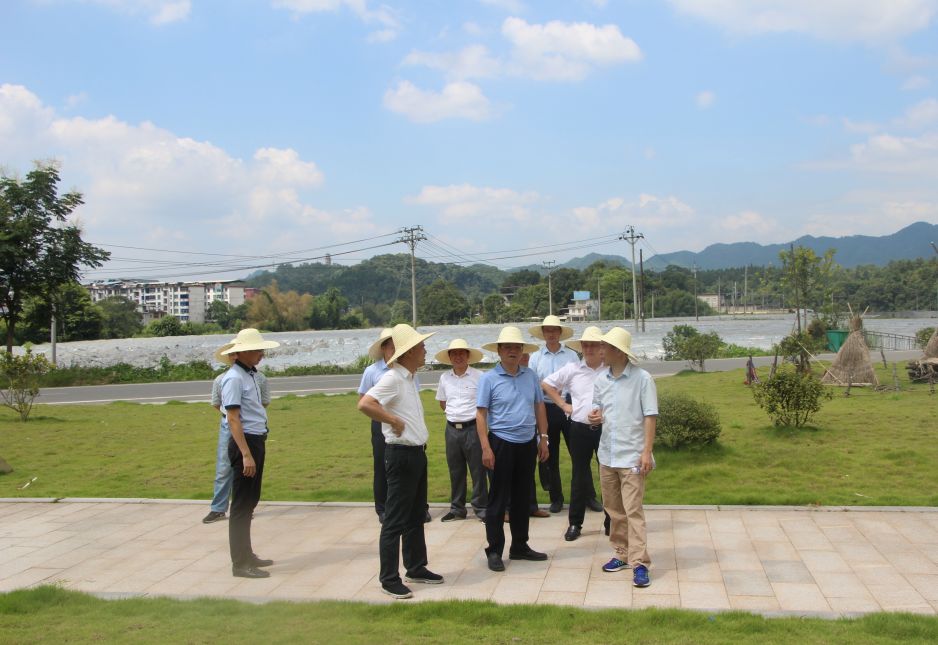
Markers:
point(852, 365)
point(931, 349)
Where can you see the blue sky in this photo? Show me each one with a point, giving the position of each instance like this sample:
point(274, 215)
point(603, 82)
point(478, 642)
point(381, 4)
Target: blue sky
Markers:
point(512, 131)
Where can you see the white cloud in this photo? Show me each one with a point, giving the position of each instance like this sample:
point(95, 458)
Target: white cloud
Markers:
point(382, 15)
point(646, 211)
point(872, 21)
point(705, 99)
point(160, 12)
point(145, 183)
point(459, 100)
point(511, 6)
point(862, 127)
point(920, 115)
point(915, 82)
point(887, 153)
point(473, 61)
point(565, 51)
point(458, 203)
point(750, 226)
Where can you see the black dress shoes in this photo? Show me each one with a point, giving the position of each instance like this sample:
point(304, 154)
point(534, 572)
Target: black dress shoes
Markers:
point(249, 571)
point(556, 507)
point(260, 562)
point(495, 562)
point(594, 505)
point(530, 554)
point(573, 532)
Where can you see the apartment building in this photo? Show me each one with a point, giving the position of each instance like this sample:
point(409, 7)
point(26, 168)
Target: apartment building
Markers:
point(187, 301)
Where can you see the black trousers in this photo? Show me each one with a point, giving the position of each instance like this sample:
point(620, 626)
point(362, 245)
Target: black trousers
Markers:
point(512, 478)
point(404, 510)
point(379, 484)
point(464, 453)
point(584, 442)
point(557, 423)
point(245, 493)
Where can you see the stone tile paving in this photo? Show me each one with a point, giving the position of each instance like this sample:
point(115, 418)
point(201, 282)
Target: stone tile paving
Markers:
point(772, 560)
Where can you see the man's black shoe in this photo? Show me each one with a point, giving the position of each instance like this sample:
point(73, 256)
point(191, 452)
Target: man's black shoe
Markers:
point(530, 554)
point(213, 516)
point(452, 517)
point(556, 507)
point(594, 505)
point(381, 517)
point(427, 519)
point(573, 532)
point(249, 571)
point(495, 562)
point(260, 562)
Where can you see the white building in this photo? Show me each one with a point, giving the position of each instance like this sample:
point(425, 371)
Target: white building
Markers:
point(582, 307)
point(187, 301)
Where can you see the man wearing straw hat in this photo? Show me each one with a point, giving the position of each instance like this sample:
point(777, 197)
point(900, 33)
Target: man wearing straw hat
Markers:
point(380, 351)
point(625, 402)
point(223, 473)
point(545, 361)
point(512, 428)
point(395, 402)
point(247, 422)
point(456, 393)
point(578, 379)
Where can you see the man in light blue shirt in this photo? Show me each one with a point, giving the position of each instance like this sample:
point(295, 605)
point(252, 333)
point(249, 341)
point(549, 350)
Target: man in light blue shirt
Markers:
point(512, 428)
point(381, 350)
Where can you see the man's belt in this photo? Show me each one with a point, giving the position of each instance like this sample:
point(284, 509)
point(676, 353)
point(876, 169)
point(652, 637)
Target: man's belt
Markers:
point(463, 425)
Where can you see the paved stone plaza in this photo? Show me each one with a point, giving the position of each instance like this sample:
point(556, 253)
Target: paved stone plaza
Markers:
point(776, 561)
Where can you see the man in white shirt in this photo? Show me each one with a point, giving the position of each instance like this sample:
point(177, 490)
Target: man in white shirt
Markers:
point(456, 393)
point(395, 402)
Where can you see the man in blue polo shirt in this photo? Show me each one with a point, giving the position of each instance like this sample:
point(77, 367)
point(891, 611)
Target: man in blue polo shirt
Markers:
point(512, 428)
point(247, 422)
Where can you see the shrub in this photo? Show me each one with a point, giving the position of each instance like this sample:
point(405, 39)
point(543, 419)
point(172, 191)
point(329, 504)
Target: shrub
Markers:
point(797, 349)
point(684, 342)
point(922, 336)
point(789, 397)
point(683, 421)
point(20, 380)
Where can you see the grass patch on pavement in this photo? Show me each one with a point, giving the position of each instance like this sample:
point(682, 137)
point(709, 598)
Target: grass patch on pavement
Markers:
point(873, 448)
point(49, 614)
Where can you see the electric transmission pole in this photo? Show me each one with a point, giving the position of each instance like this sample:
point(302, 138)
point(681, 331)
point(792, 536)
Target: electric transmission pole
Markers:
point(411, 236)
point(549, 265)
point(632, 237)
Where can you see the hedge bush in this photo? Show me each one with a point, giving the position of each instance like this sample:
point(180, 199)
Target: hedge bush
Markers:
point(790, 398)
point(684, 421)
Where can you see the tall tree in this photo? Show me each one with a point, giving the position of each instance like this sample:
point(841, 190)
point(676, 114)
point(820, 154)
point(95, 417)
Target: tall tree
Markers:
point(805, 276)
point(120, 318)
point(39, 249)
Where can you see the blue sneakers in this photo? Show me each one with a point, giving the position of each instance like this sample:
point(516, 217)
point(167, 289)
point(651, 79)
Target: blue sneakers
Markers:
point(615, 565)
point(640, 576)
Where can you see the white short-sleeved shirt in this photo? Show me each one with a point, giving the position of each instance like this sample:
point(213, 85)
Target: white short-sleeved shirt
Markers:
point(625, 400)
point(398, 392)
point(240, 390)
point(545, 362)
point(459, 392)
point(577, 379)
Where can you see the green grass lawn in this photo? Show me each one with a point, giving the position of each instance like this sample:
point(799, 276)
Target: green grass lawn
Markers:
point(48, 614)
point(873, 448)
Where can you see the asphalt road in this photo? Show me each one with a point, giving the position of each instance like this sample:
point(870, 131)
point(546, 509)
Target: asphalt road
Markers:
point(194, 391)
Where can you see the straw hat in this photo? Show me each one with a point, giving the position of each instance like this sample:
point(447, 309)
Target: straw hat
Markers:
point(443, 355)
point(374, 352)
point(551, 321)
point(510, 335)
point(590, 335)
point(247, 340)
point(405, 338)
point(621, 340)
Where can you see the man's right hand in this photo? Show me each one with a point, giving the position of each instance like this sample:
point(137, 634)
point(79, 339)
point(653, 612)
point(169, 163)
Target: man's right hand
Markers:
point(397, 426)
point(488, 458)
point(250, 468)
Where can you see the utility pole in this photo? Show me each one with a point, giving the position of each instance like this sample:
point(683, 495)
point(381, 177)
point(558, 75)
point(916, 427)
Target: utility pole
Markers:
point(549, 265)
point(632, 237)
point(641, 286)
point(599, 299)
point(696, 315)
point(411, 236)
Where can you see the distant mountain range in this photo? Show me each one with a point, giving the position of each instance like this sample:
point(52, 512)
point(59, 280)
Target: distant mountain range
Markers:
point(911, 242)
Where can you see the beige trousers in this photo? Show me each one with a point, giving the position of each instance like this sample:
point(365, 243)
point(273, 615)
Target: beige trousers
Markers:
point(623, 492)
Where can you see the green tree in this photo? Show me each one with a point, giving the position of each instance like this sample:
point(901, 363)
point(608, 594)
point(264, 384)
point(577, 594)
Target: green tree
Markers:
point(165, 326)
point(805, 278)
point(686, 343)
point(76, 317)
point(327, 310)
point(39, 249)
point(119, 317)
point(220, 313)
point(19, 380)
point(441, 303)
point(493, 308)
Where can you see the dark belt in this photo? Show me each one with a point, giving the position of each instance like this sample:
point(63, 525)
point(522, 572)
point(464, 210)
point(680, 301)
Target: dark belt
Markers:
point(462, 425)
point(401, 446)
point(585, 426)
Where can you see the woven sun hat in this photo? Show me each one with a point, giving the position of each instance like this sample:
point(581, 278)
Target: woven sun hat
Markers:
point(221, 358)
point(621, 340)
point(551, 321)
point(374, 352)
point(405, 338)
point(510, 335)
point(442, 356)
point(590, 335)
point(247, 340)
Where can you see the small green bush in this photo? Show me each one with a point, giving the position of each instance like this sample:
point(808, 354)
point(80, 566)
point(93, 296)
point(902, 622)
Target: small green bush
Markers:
point(19, 380)
point(922, 336)
point(684, 421)
point(789, 397)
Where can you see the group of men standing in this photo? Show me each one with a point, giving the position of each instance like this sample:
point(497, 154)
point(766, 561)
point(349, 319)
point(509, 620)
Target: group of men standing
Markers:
point(499, 424)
